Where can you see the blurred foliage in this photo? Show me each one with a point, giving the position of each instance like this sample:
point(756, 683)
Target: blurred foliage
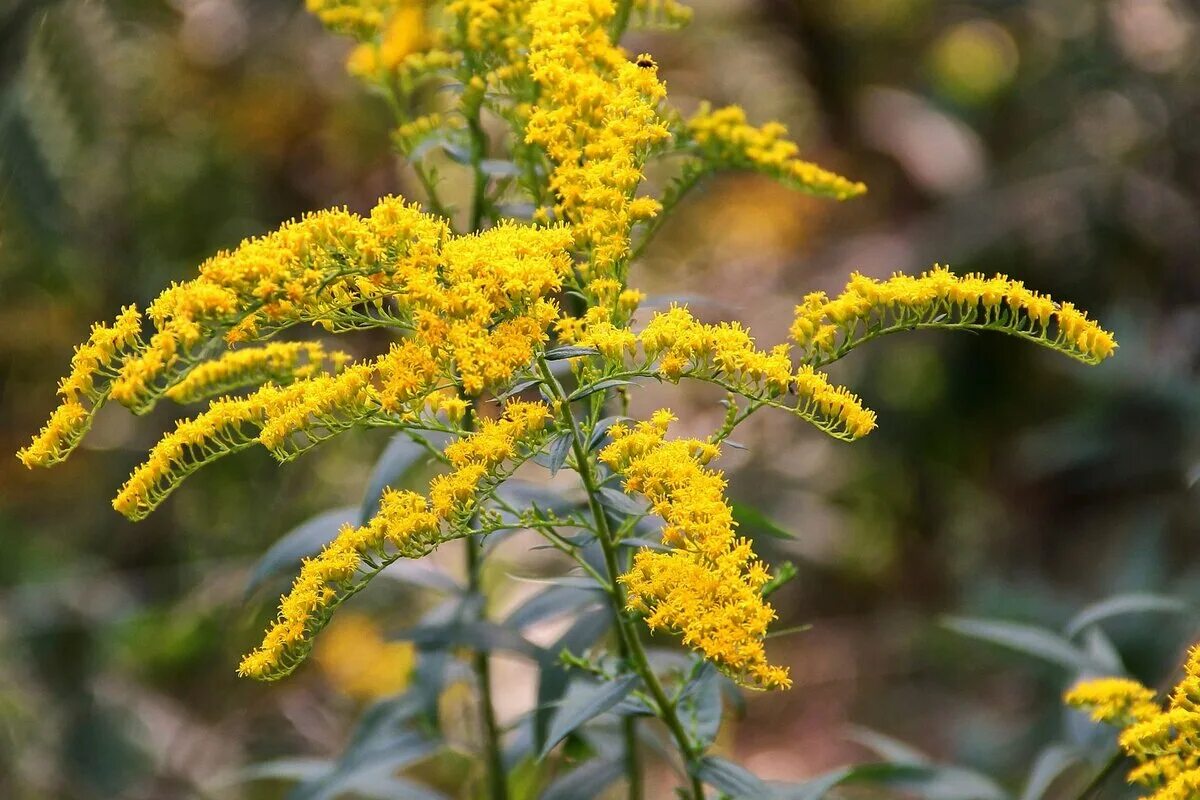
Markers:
point(1055, 140)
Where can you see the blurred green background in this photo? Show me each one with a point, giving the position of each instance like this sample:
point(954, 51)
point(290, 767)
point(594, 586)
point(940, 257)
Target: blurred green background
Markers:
point(1057, 141)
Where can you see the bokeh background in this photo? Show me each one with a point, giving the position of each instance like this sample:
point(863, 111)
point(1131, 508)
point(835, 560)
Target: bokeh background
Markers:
point(1057, 141)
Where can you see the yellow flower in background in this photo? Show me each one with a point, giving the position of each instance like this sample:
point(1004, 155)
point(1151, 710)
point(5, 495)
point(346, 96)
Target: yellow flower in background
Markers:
point(974, 61)
point(359, 662)
point(670, 13)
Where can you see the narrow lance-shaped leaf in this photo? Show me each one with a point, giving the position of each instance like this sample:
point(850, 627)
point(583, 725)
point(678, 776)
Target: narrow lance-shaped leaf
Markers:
point(579, 709)
point(1028, 639)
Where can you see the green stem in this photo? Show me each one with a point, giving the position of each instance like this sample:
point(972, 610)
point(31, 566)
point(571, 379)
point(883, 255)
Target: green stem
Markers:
point(629, 644)
point(496, 778)
point(621, 20)
point(479, 145)
point(497, 783)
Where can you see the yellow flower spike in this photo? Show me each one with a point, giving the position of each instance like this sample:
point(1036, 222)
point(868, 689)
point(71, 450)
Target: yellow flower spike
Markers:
point(833, 409)
point(58, 437)
point(308, 270)
point(227, 426)
point(278, 362)
point(726, 139)
point(826, 328)
point(596, 119)
point(708, 588)
point(328, 578)
point(84, 389)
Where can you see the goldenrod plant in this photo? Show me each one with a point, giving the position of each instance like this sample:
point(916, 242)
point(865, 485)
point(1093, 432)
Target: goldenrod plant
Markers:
point(518, 339)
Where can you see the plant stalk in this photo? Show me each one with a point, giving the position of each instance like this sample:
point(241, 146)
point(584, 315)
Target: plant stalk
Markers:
point(497, 782)
point(630, 645)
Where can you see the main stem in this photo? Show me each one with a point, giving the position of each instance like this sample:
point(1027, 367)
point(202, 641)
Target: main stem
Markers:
point(497, 783)
point(497, 780)
point(629, 644)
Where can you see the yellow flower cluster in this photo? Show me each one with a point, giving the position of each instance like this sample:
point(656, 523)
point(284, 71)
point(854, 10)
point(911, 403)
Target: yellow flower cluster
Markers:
point(307, 270)
point(84, 389)
point(938, 298)
point(278, 362)
point(493, 27)
point(596, 118)
point(477, 308)
point(708, 587)
point(496, 440)
point(404, 523)
point(835, 409)
point(595, 329)
point(726, 139)
point(407, 526)
point(1165, 742)
point(683, 346)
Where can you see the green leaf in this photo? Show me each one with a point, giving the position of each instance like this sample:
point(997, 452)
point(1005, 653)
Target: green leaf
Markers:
point(420, 573)
point(735, 781)
point(553, 678)
point(584, 706)
point(886, 747)
point(1038, 642)
point(700, 707)
point(585, 782)
point(550, 603)
point(927, 781)
point(517, 388)
point(304, 540)
point(599, 386)
point(818, 787)
point(1102, 650)
point(750, 517)
point(499, 168)
point(288, 769)
point(1050, 764)
point(649, 544)
point(951, 783)
point(1119, 605)
point(382, 744)
point(621, 503)
point(479, 635)
point(560, 448)
point(569, 351)
point(784, 574)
